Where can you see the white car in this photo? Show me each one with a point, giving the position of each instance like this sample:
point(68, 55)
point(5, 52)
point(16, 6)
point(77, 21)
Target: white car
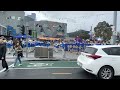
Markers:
point(101, 60)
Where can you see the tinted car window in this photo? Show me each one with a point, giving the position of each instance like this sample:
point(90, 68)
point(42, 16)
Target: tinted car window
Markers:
point(90, 50)
point(112, 50)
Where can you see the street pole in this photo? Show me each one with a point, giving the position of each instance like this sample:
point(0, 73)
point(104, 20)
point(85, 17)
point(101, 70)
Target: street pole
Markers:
point(91, 34)
point(35, 31)
point(26, 40)
point(113, 38)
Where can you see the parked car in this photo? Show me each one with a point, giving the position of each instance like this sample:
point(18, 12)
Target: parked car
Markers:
point(101, 60)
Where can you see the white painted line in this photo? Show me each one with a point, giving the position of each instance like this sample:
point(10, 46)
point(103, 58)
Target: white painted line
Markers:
point(4, 68)
point(46, 68)
point(28, 68)
point(62, 73)
point(11, 65)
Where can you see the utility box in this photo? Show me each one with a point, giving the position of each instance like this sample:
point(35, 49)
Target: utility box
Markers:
point(43, 52)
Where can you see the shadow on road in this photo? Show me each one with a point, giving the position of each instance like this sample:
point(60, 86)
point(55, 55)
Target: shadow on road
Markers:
point(86, 75)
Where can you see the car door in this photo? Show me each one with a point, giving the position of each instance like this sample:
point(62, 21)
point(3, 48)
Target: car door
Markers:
point(113, 58)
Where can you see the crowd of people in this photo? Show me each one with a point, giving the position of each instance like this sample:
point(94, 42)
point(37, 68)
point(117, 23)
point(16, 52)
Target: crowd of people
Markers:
point(73, 45)
point(18, 46)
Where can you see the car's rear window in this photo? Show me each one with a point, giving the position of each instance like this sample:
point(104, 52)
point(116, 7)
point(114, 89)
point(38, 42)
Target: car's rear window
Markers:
point(112, 50)
point(90, 50)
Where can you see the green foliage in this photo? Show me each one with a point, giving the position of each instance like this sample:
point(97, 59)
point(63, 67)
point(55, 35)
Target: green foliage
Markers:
point(82, 33)
point(104, 30)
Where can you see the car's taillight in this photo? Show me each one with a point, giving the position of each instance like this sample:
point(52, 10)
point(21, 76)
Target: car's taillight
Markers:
point(94, 56)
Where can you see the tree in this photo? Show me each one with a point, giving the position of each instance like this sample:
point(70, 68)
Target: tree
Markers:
point(81, 33)
point(118, 36)
point(103, 30)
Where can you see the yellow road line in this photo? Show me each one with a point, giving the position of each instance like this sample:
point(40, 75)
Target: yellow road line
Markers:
point(61, 73)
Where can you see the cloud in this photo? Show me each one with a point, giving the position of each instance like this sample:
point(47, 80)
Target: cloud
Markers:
point(39, 15)
point(78, 19)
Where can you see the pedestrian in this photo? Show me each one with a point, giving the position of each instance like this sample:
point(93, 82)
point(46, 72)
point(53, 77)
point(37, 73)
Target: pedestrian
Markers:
point(18, 52)
point(15, 41)
point(71, 48)
point(9, 46)
point(3, 50)
point(20, 42)
point(64, 48)
point(77, 47)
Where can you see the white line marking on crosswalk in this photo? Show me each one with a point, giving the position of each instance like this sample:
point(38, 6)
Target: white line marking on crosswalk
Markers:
point(4, 68)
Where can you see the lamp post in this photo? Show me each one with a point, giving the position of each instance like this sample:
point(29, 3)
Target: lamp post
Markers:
point(27, 39)
point(113, 38)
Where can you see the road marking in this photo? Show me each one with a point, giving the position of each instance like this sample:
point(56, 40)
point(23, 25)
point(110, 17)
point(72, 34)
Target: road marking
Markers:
point(28, 68)
point(4, 68)
point(39, 64)
point(45, 68)
point(61, 73)
point(11, 65)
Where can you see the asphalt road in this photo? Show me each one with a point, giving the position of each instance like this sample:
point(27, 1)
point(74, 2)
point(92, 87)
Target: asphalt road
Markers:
point(9, 63)
point(50, 73)
point(46, 70)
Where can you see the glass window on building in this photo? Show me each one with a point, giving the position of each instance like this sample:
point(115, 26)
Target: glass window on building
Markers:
point(19, 18)
point(3, 30)
point(12, 17)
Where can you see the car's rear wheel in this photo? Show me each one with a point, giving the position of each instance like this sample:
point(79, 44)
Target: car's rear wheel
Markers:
point(106, 72)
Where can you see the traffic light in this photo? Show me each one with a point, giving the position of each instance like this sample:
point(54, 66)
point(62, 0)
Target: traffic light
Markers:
point(41, 28)
point(29, 32)
point(23, 30)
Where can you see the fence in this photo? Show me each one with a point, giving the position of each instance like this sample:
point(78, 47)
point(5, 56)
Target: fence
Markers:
point(68, 47)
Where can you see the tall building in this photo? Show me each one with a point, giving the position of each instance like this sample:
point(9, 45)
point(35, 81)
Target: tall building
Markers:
point(12, 19)
point(33, 16)
point(25, 21)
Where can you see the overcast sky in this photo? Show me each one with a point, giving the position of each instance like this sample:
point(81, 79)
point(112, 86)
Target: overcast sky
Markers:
point(77, 19)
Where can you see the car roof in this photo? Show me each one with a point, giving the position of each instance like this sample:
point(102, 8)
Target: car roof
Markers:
point(103, 46)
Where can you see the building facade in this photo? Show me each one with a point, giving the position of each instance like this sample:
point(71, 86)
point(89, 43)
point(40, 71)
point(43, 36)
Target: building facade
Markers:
point(12, 19)
point(33, 16)
point(48, 28)
point(3, 30)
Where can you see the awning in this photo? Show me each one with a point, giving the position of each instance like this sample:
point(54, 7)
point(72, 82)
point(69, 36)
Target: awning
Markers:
point(22, 36)
point(49, 38)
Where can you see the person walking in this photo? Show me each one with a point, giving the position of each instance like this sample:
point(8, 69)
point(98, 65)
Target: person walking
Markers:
point(20, 42)
point(9, 46)
point(3, 50)
point(64, 48)
point(18, 52)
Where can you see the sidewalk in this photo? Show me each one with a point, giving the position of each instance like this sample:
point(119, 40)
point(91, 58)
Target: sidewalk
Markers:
point(56, 56)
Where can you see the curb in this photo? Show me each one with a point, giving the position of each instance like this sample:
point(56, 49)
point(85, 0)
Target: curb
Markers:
point(51, 59)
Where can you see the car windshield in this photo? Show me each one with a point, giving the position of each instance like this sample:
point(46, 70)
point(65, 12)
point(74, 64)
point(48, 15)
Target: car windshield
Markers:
point(90, 50)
